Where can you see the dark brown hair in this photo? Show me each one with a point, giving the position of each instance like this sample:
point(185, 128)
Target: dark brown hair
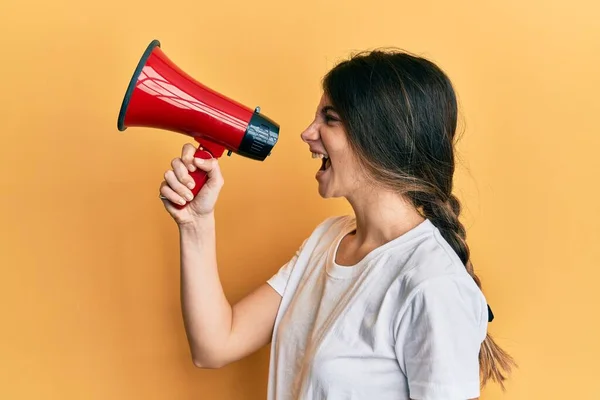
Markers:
point(400, 114)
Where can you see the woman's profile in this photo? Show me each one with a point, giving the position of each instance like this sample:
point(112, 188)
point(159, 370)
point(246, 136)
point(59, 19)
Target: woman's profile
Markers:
point(381, 304)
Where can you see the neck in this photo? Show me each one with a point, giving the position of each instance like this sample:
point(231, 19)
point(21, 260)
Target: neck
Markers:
point(381, 216)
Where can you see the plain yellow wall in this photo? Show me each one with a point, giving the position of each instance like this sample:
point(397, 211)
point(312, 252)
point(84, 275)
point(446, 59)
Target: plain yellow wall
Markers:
point(89, 281)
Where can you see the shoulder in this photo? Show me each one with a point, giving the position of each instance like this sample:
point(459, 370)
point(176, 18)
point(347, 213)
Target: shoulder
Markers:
point(329, 228)
point(321, 237)
point(436, 289)
point(334, 223)
point(429, 261)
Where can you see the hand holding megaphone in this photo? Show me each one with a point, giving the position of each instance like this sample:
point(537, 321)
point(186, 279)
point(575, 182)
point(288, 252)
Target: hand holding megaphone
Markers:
point(179, 190)
point(160, 95)
point(188, 175)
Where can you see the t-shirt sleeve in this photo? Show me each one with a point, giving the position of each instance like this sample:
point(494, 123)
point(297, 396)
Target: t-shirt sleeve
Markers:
point(438, 338)
point(280, 279)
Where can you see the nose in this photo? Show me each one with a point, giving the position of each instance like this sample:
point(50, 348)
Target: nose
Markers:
point(310, 134)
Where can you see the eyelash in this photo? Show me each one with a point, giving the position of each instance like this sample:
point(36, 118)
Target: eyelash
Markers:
point(329, 118)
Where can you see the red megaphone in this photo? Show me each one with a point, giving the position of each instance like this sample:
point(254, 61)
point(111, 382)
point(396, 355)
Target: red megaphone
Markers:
point(160, 95)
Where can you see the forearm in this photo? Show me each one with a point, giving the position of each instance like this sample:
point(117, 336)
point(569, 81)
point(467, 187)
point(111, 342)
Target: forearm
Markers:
point(207, 314)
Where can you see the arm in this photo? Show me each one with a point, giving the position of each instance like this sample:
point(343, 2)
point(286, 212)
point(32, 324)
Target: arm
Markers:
point(217, 332)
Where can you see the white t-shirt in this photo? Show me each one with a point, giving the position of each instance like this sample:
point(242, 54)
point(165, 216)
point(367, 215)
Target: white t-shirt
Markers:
point(406, 322)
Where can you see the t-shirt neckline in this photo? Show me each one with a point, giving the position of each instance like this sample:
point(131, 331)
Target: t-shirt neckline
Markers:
point(336, 270)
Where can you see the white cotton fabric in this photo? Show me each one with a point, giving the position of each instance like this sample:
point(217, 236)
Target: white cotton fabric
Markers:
point(406, 322)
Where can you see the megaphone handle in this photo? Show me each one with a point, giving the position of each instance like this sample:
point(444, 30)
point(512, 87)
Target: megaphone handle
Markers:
point(199, 176)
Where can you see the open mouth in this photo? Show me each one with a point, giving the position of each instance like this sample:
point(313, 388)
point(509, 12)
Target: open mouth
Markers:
point(325, 161)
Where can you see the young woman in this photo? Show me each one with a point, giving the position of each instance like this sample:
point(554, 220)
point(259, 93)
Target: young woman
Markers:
point(383, 304)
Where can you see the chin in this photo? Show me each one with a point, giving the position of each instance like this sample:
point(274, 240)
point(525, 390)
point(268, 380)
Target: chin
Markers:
point(328, 193)
point(329, 187)
point(323, 192)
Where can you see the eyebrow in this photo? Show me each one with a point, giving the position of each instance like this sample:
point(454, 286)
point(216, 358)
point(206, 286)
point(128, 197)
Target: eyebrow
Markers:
point(325, 109)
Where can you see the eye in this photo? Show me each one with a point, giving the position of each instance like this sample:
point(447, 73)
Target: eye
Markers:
point(330, 118)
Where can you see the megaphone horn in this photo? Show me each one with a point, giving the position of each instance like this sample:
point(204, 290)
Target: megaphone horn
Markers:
point(160, 95)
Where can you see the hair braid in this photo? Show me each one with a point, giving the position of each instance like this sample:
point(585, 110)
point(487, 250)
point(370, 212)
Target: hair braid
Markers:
point(444, 215)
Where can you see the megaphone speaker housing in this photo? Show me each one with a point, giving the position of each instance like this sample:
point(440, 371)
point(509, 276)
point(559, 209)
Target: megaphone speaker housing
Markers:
point(161, 95)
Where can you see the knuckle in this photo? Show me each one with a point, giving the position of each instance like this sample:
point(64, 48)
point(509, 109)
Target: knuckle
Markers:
point(179, 171)
point(188, 150)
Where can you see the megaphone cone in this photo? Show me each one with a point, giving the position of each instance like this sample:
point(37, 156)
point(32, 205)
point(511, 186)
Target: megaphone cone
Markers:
point(160, 95)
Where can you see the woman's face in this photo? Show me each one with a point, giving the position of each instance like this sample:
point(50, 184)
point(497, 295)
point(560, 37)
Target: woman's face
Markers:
point(339, 173)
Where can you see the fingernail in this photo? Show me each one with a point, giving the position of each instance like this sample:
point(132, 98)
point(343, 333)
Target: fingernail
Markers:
point(192, 167)
point(182, 202)
point(190, 185)
point(189, 196)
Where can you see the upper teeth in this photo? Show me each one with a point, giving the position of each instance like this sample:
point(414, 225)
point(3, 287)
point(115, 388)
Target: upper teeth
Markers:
point(319, 155)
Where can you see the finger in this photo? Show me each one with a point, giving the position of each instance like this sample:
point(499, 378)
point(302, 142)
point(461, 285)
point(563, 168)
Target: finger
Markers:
point(187, 156)
point(181, 172)
point(212, 169)
point(177, 186)
point(170, 194)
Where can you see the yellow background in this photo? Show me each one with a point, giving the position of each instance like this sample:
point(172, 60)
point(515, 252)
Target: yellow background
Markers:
point(89, 280)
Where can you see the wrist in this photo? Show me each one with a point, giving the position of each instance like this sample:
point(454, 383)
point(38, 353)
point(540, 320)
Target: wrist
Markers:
point(198, 224)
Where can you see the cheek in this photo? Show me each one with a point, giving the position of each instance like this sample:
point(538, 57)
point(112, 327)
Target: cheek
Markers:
point(344, 161)
point(347, 166)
